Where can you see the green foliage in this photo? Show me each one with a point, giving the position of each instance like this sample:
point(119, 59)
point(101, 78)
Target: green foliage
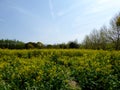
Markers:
point(73, 44)
point(118, 21)
point(11, 44)
point(59, 69)
point(33, 45)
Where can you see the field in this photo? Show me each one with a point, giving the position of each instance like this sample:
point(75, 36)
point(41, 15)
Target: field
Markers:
point(59, 69)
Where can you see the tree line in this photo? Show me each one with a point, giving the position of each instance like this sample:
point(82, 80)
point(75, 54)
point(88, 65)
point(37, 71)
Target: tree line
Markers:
point(15, 44)
point(106, 38)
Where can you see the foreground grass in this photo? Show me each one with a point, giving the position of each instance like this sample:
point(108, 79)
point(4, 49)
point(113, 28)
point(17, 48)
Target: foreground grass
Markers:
point(59, 70)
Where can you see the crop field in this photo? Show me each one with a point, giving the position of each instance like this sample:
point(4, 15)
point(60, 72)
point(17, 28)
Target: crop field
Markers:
point(59, 69)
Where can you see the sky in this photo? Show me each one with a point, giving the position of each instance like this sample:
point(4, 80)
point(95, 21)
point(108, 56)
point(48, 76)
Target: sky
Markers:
point(54, 21)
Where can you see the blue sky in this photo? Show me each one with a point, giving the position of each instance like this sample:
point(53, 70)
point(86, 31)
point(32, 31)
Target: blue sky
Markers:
point(54, 21)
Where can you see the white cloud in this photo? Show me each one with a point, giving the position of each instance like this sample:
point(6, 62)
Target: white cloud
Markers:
point(24, 11)
point(65, 12)
point(96, 10)
point(12, 5)
point(70, 9)
point(51, 8)
point(103, 1)
point(99, 6)
point(19, 9)
point(61, 13)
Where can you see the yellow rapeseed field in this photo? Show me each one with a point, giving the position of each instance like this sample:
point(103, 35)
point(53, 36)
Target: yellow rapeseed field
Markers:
point(59, 69)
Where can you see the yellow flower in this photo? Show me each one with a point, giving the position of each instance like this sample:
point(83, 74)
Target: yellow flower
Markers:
point(98, 69)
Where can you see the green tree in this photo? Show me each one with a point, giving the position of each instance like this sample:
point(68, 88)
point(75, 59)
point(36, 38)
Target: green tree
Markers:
point(39, 45)
point(30, 45)
point(73, 44)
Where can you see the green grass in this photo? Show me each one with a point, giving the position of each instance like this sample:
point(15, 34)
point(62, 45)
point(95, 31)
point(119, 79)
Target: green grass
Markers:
point(59, 69)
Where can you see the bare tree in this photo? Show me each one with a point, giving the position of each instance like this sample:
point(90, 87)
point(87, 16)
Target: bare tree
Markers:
point(114, 32)
point(103, 37)
point(87, 42)
point(92, 41)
